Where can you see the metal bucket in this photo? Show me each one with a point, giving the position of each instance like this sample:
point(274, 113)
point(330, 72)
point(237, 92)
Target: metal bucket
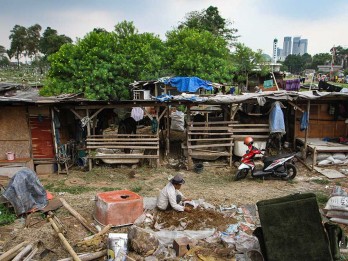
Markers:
point(199, 168)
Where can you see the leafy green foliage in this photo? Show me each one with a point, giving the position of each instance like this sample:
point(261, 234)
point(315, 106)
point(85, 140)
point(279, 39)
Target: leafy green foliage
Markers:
point(50, 42)
point(246, 61)
point(33, 39)
point(18, 42)
point(211, 21)
point(103, 64)
point(190, 52)
point(6, 216)
point(295, 63)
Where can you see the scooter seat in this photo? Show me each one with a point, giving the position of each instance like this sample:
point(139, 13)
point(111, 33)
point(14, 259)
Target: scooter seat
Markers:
point(273, 158)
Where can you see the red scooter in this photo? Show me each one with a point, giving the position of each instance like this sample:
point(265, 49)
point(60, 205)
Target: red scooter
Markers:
point(274, 166)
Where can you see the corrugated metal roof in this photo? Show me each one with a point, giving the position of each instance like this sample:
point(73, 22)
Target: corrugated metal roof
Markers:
point(31, 95)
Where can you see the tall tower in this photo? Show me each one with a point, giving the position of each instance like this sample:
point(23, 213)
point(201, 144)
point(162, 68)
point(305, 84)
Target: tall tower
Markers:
point(275, 42)
point(287, 46)
point(296, 45)
point(303, 46)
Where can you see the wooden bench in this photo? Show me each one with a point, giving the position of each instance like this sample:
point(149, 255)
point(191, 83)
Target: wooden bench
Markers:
point(146, 143)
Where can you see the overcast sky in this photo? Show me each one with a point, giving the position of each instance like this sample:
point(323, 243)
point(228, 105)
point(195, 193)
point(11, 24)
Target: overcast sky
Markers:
point(324, 23)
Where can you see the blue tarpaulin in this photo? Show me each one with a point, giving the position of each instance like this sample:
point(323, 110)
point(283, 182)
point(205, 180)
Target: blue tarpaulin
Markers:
point(189, 84)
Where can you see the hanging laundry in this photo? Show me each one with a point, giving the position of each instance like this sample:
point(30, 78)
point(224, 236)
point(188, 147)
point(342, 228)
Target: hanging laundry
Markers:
point(293, 85)
point(137, 113)
point(276, 119)
point(304, 121)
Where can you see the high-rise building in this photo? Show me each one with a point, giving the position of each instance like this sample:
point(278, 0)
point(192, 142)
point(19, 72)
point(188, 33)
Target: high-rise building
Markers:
point(296, 45)
point(303, 46)
point(286, 46)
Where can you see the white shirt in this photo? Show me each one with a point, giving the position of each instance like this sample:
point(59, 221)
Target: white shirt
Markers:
point(168, 196)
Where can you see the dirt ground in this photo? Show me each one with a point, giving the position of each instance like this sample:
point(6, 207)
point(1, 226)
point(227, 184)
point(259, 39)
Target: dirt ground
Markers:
point(214, 184)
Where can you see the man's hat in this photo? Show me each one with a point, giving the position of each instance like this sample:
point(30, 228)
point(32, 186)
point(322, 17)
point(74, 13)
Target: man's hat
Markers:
point(178, 179)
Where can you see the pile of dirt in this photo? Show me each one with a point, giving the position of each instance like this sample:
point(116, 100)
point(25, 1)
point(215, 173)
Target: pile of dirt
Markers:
point(197, 219)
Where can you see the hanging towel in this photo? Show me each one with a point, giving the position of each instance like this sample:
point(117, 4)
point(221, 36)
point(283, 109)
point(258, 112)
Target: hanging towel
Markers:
point(276, 119)
point(137, 113)
point(304, 121)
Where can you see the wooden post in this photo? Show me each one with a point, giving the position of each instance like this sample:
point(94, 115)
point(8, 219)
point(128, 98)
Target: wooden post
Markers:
point(306, 132)
point(275, 81)
point(89, 134)
point(168, 130)
point(231, 136)
point(188, 142)
point(158, 151)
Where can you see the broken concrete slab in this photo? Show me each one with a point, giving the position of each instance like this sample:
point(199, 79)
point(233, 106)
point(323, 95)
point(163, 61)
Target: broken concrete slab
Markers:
point(330, 173)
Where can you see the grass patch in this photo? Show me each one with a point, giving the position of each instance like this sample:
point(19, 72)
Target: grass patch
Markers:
point(72, 190)
point(322, 199)
point(6, 215)
point(321, 181)
point(105, 189)
point(136, 189)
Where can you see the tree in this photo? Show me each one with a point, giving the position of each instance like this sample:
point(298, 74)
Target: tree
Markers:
point(307, 59)
point(33, 40)
point(3, 59)
point(340, 56)
point(295, 63)
point(18, 38)
point(103, 64)
point(50, 41)
point(247, 61)
point(320, 59)
point(211, 21)
point(191, 52)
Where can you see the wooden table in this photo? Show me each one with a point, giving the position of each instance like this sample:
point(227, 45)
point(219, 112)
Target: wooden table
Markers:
point(317, 145)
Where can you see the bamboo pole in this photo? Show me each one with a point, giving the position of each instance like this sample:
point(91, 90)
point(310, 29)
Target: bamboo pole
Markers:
point(101, 232)
point(11, 253)
point(88, 256)
point(31, 254)
point(78, 216)
point(64, 241)
point(23, 253)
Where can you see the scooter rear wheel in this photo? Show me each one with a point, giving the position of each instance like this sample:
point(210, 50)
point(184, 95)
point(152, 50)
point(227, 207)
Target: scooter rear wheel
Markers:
point(291, 172)
point(241, 174)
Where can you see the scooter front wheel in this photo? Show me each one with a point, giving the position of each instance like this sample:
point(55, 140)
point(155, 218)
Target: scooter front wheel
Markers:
point(241, 174)
point(291, 171)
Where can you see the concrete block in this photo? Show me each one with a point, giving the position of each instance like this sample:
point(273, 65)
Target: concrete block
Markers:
point(44, 169)
point(182, 245)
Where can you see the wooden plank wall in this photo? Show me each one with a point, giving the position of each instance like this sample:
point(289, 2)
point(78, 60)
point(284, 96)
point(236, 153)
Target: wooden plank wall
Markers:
point(14, 132)
point(321, 123)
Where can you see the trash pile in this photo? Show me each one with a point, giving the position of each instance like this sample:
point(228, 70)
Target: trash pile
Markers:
point(160, 235)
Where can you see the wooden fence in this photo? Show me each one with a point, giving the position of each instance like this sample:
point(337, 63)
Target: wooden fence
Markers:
point(145, 145)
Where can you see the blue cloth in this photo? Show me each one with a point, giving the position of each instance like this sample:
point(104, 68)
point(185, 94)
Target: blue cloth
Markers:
point(304, 121)
point(189, 84)
point(276, 119)
point(164, 97)
point(268, 84)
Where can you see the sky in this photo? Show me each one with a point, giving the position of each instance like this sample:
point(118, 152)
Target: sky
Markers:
point(324, 23)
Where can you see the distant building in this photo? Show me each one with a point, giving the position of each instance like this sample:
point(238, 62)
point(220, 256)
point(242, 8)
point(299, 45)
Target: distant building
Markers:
point(286, 46)
point(303, 46)
point(296, 45)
